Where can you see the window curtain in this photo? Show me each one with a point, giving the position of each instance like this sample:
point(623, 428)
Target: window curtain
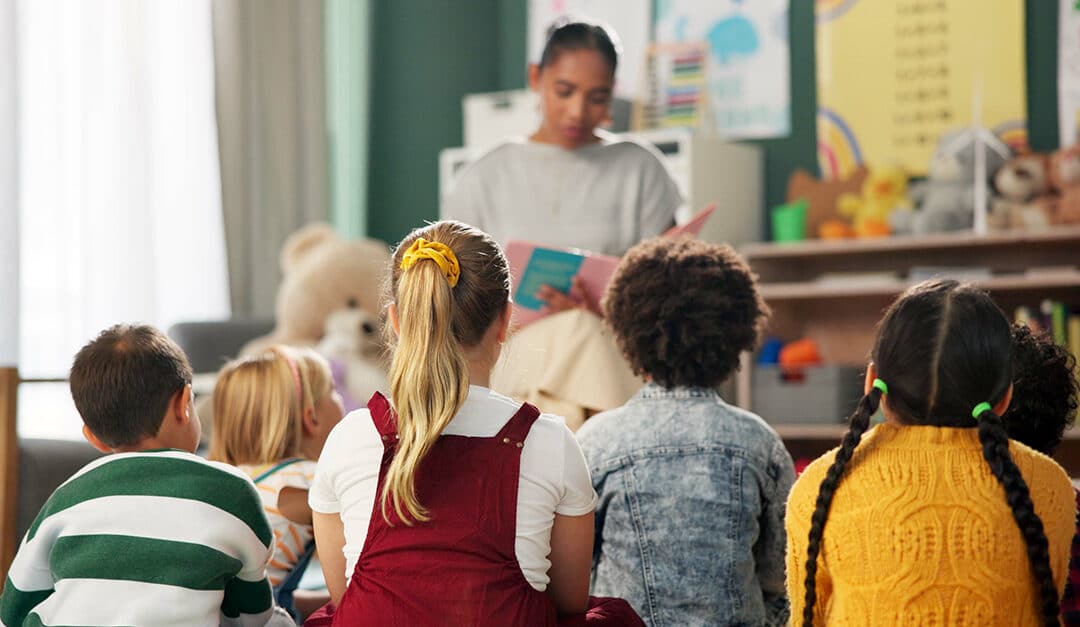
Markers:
point(9, 193)
point(120, 198)
point(271, 112)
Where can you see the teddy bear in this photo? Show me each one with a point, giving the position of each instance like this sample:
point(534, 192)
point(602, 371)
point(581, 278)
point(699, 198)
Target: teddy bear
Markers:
point(1022, 185)
point(329, 298)
point(1064, 177)
point(946, 199)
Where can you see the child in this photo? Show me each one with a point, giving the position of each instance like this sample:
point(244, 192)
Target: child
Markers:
point(705, 480)
point(152, 534)
point(1045, 391)
point(457, 506)
point(923, 515)
point(273, 412)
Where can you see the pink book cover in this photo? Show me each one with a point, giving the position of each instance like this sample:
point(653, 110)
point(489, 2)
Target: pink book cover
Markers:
point(533, 265)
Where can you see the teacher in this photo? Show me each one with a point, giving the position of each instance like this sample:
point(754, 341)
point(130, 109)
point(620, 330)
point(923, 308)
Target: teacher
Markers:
point(568, 185)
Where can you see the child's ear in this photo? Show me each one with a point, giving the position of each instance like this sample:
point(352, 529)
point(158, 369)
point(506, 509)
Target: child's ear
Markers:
point(183, 403)
point(1003, 404)
point(394, 324)
point(309, 422)
point(504, 322)
point(94, 441)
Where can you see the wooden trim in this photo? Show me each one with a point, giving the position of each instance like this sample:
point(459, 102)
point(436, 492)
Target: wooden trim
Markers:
point(9, 468)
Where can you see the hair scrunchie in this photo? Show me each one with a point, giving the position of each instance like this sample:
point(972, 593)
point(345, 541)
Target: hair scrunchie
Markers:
point(436, 251)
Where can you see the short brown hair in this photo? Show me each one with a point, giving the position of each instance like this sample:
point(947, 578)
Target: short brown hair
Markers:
point(122, 381)
point(683, 310)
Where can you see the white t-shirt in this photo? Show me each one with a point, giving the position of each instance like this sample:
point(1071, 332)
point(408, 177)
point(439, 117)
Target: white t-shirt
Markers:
point(603, 197)
point(553, 477)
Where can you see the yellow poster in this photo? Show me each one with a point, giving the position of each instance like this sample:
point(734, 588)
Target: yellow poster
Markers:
point(892, 75)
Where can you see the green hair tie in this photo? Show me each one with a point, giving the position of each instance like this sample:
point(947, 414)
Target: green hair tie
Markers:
point(879, 384)
point(979, 409)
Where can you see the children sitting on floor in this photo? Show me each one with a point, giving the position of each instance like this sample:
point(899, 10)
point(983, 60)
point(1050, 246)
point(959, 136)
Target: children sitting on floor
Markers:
point(151, 534)
point(690, 522)
point(272, 414)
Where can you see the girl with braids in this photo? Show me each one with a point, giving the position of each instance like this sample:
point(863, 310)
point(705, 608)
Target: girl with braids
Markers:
point(447, 503)
point(934, 517)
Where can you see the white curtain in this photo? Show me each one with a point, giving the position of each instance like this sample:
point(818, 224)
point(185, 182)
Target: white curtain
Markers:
point(120, 199)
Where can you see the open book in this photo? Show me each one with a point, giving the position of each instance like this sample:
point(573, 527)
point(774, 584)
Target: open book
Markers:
point(533, 265)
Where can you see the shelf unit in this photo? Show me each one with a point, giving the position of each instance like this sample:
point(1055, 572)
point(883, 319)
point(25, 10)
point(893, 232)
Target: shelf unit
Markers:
point(1025, 267)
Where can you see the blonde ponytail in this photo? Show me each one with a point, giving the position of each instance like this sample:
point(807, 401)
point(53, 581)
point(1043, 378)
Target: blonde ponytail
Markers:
point(440, 315)
point(429, 380)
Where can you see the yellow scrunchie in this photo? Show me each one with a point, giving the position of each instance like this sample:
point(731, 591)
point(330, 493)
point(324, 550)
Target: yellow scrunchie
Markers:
point(436, 251)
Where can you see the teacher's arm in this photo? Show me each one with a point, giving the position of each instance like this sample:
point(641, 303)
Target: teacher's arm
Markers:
point(660, 198)
point(466, 200)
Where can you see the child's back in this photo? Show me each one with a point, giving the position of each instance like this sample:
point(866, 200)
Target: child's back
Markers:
point(919, 532)
point(144, 538)
point(701, 484)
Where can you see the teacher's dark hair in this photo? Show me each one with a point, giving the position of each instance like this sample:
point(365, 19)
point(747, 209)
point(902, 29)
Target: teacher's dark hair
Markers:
point(565, 35)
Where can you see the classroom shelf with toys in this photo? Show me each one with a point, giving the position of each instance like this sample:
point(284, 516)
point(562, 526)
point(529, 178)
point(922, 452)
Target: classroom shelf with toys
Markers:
point(833, 292)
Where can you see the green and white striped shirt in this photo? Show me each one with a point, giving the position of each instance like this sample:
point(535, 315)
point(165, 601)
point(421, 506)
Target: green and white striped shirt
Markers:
point(145, 538)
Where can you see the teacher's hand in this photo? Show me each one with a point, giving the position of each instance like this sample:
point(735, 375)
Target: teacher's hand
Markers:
point(557, 301)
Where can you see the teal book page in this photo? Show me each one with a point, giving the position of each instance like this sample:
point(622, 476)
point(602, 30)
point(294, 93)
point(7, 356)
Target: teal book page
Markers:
point(546, 267)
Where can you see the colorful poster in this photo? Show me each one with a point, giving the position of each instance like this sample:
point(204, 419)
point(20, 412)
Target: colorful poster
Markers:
point(630, 19)
point(892, 76)
point(673, 93)
point(1068, 71)
point(747, 71)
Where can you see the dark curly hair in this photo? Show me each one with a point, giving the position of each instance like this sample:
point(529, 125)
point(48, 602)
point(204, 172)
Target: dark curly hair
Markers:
point(683, 310)
point(1045, 389)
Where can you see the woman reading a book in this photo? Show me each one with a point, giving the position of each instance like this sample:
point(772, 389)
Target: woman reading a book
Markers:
point(569, 185)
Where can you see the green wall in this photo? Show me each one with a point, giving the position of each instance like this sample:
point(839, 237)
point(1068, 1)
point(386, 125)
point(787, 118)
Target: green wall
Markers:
point(425, 60)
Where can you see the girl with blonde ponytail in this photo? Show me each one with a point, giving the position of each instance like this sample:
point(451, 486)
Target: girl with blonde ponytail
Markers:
point(448, 504)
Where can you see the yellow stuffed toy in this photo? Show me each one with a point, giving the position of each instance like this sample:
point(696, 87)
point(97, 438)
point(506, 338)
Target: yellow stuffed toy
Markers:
point(883, 191)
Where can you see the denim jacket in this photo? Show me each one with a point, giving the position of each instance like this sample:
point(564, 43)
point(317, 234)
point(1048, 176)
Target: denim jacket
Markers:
point(690, 523)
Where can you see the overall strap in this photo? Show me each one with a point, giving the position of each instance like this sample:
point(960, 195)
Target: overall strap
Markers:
point(277, 467)
point(517, 428)
point(383, 416)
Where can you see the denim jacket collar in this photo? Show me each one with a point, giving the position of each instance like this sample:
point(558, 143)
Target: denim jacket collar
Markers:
point(655, 390)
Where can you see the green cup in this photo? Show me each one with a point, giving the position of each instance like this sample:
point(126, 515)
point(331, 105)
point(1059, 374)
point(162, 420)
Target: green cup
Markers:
point(789, 221)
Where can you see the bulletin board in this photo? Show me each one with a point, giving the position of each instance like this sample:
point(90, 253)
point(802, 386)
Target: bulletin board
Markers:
point(892, 76)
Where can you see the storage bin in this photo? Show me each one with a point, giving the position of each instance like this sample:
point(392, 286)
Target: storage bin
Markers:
point(823, 395)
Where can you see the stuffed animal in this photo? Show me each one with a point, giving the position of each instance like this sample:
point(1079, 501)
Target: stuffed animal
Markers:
point(822, 219)
point(1064, 176)
point(329, 298)
point(352, 345)
point(946, 200)
point(883, 191)
point(1021, 203)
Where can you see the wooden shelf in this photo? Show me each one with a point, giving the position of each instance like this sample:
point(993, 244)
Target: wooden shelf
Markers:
point(824, 290)
point(962, 239)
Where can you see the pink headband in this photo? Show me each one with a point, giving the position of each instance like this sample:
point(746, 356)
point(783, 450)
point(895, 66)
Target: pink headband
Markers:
point(295, 374)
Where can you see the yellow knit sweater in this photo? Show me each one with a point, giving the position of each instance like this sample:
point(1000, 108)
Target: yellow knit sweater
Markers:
point(919, 533)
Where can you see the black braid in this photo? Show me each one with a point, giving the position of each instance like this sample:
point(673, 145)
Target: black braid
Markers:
point(859, 422)
point(995, 445)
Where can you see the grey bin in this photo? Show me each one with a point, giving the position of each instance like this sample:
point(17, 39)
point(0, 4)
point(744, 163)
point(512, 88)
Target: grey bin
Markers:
point(825, 395)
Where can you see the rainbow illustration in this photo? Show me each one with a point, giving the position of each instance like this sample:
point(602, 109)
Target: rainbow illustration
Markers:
point(1015, 134)
point(828, 10)
point(838, 149)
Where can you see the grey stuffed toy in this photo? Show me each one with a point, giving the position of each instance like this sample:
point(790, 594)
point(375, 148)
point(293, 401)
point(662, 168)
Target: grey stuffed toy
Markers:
point(946, 199)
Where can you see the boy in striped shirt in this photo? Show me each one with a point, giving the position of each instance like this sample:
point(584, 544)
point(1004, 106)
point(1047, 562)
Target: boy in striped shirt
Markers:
point(151, 534)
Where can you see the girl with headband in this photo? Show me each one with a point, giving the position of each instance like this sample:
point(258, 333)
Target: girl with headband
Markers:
point(446, 503)
point(272, 415)
point(934, 517)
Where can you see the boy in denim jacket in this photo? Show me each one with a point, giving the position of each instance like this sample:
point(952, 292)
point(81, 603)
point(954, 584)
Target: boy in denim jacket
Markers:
point(690, 523)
